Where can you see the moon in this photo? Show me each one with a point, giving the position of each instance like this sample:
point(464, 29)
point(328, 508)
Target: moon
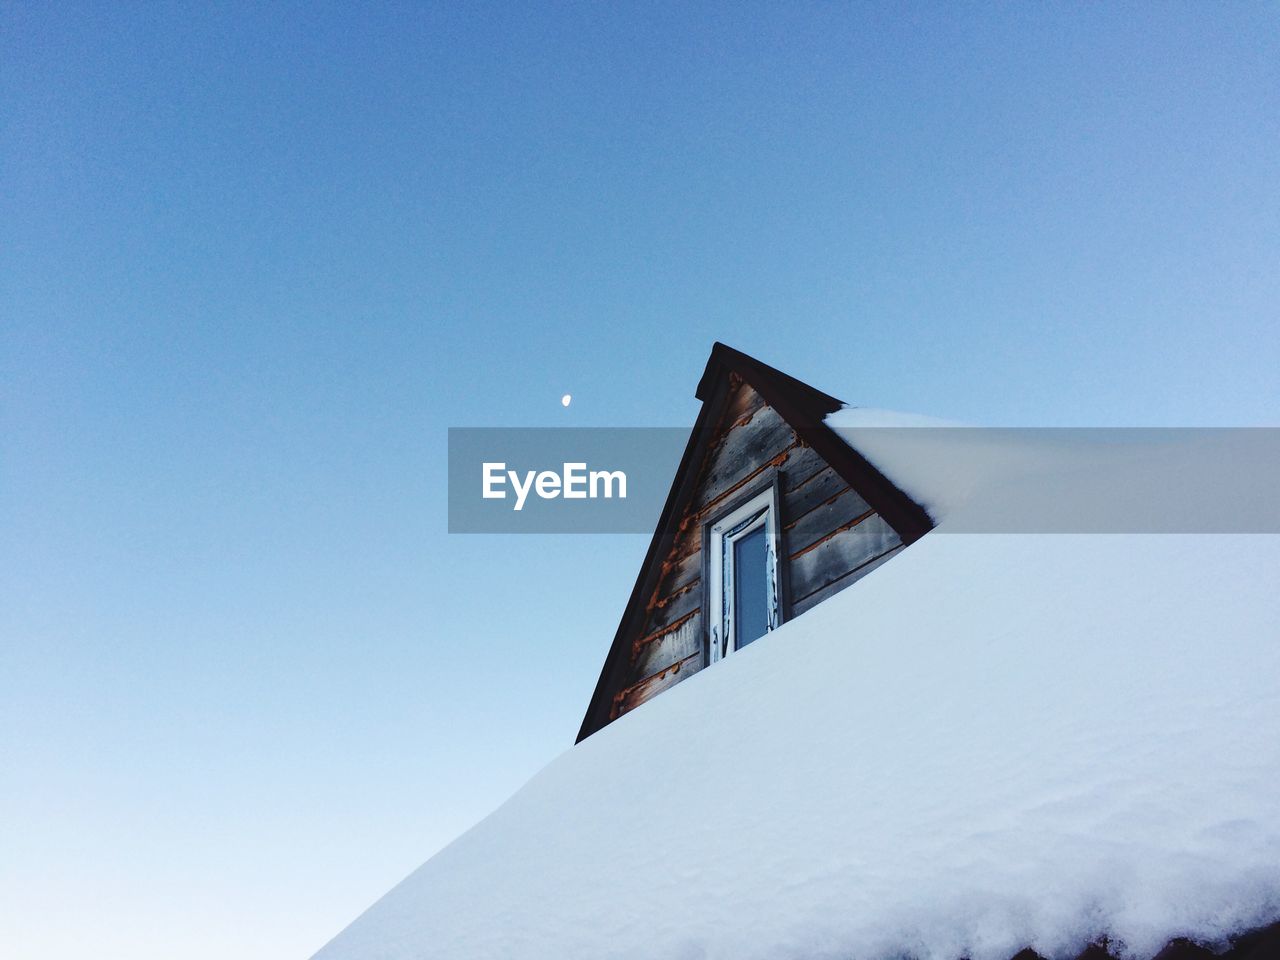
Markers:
point(566, 400)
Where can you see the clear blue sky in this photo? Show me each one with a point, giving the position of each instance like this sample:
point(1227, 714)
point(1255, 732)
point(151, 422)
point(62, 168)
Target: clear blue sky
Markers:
point(257, 259)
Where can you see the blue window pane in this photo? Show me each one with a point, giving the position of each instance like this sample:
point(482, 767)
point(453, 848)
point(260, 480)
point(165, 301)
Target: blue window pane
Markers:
point(750, 587)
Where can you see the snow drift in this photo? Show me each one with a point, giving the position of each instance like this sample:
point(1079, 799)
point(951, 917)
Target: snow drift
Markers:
point(991, 742)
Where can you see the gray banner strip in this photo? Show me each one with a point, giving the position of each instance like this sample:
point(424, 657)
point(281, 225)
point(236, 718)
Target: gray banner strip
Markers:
point(977, 480)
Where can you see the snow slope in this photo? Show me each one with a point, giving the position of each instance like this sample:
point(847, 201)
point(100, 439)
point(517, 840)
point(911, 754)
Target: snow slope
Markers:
point(991, 742)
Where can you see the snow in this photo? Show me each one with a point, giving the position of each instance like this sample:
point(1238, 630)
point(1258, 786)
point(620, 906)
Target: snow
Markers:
point(1108, 480)
point(991, 742)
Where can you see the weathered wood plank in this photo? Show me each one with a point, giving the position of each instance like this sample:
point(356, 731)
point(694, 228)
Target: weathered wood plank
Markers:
point(836, 512)
point(796, 456)
point(829, 559)
point(853, 576)
point(687, 569)
point(668, 649)
point(804, 465)
point(741, 405)
point(795, 462)
point(651, 686)
point(799, 499)
point(672, 605)
point(744, 450)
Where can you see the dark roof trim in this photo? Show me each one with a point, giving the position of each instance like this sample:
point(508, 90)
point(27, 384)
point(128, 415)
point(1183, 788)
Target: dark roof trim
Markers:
point(805, 409)
point(725, 359)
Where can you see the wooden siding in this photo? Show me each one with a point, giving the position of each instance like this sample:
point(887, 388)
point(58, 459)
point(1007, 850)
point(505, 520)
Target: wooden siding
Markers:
point(831, 538)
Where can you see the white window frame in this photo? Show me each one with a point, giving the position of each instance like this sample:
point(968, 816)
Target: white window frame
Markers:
point(760, 510)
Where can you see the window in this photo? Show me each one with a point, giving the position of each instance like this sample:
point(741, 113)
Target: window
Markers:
point(742, 575)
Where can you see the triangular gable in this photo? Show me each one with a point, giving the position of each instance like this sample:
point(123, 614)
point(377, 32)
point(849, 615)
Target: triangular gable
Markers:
point(749, 409)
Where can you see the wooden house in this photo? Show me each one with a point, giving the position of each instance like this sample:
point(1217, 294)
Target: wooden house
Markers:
point(999, 771)
point(769, 514)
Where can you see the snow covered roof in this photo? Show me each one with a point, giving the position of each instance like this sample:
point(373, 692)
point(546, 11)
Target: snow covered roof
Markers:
point(992, 742)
